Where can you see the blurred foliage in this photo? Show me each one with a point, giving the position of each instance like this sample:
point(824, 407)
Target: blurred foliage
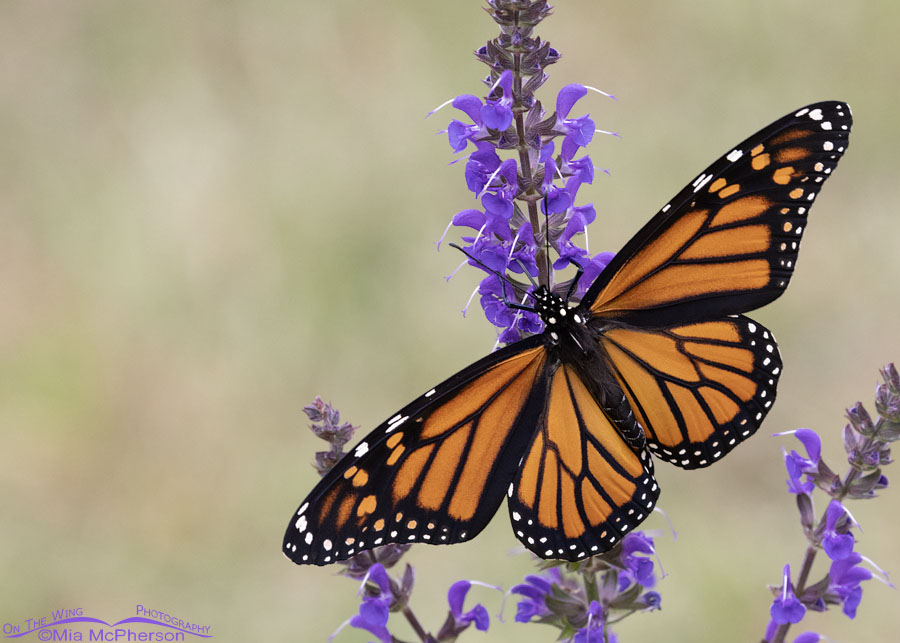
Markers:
point(213, 211)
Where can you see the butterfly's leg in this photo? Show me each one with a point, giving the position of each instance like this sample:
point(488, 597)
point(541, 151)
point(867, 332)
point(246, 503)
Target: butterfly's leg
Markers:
point(574, 285)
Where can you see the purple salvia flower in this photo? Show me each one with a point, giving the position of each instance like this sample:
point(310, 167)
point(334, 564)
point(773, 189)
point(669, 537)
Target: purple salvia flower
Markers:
point(327, 426)
point(801, 469)
point(786, 608)
point(460, 133)
point(375, 607)
point(534, 591)
point(556, 199)
point(593, 268)
point(636, 548)
point(497, 114)
point(651, 600)
point(481, 167)
point(845, 576)
point(579, 130)
point(456, 597)
point(837, 545)
point(594, 632)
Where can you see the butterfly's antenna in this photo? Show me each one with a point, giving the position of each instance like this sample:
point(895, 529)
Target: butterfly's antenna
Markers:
point(527, 274)
point(504, 280)
point(547, 241)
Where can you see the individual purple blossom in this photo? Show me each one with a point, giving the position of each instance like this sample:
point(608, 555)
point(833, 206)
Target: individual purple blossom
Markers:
point(637, 547)
point(594, 631)
point(375, 607)
point(801, 469)
point(837, 544)
point(556, 199)
point(534, 591)
point(482, 166)
point(786, 608)
point(478, 614)
point(583, 167)
point(592, 268)
point(460, 133)
point(845, 576)
point(651, 600)
point(579, 130)
point(497, 114)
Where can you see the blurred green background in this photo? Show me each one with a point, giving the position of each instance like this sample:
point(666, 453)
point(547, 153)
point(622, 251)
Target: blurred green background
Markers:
point(213, 211)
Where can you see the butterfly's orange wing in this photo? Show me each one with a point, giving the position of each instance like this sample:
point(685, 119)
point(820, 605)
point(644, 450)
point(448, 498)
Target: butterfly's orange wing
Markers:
point(580, 487)
point(728, 242)
point(699, 376)
point(436, 471)
point(697, 389)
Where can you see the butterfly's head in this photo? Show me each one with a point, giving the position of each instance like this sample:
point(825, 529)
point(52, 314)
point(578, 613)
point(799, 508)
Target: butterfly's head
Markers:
point(554, 312)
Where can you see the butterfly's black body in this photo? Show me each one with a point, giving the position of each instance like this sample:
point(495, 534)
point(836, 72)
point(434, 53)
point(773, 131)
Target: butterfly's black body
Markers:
point(656, 358)
point(572, 335)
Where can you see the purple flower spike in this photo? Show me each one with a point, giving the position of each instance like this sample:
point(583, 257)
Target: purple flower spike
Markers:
point(837, 545)
point(510, 223)
point(786, 608)
point(457, 597)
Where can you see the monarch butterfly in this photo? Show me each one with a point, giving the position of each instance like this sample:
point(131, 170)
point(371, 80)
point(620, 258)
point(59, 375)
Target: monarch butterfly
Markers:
point(656, 358)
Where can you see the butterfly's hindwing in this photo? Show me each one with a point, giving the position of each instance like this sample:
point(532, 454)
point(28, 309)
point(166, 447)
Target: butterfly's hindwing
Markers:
point(728, 242)
point(580, 487)
point(697, 389)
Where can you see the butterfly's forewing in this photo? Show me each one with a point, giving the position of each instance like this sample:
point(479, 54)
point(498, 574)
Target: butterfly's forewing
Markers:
point(580, 487)
point(728, 242)
point(698, 376)
point(697, 389)
point(436, 471)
